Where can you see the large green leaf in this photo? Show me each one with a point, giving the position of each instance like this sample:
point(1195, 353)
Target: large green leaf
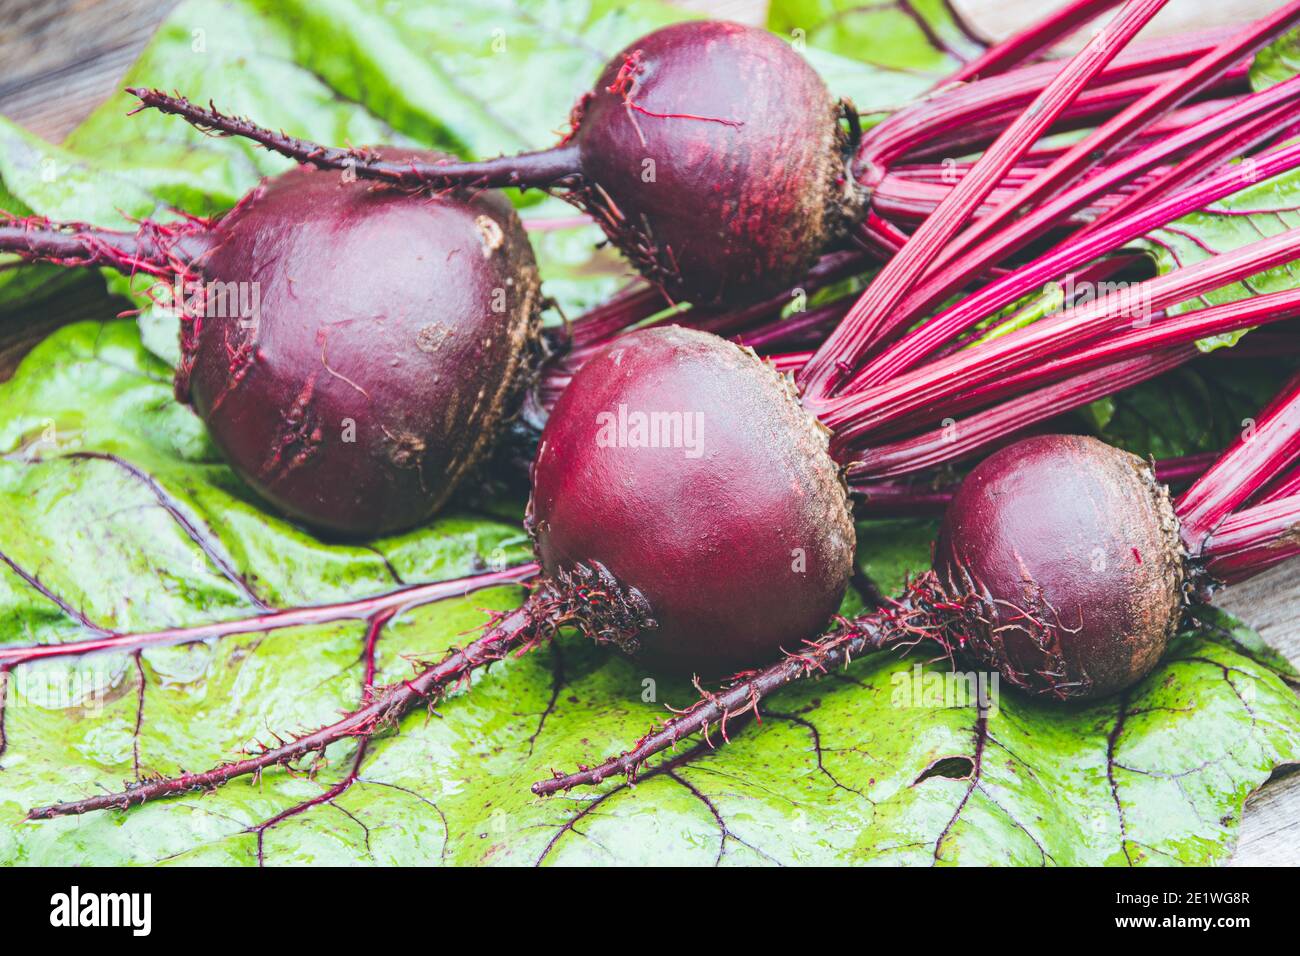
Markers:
point(115, 514)
point(872, 765)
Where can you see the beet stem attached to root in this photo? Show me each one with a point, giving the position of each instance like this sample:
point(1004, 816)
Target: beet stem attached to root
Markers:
point(842, 352)
point(1254, 459)
point(774, 237)
point(540, 169)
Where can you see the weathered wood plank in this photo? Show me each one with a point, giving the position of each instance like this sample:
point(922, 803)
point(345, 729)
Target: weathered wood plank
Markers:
point(62, 57)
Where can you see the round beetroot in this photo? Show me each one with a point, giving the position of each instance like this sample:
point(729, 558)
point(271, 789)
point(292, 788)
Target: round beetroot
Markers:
point(715, 160)
point(1071, 549)
point(682, 471)
point(388, 337)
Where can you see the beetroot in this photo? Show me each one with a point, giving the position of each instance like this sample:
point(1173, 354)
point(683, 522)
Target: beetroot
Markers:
point(408, 323)
point(748, 158)
point(1072, 550)
point(683, 470)
point(375, 348)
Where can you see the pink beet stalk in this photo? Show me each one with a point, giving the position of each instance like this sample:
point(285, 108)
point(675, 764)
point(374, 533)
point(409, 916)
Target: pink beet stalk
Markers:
point(954, 120)
point(892, 499)
point(844, 349)
point(1115, 131)
point(1033, 40)
point(971, 309)
point(1233, 128)
point(1259, 454)
point(1282, 487)
point(898, 309)
point(854, 416)
point(1249, 541)
point(1164, 333)
point(1271, 126)
point(965, 437)
point(1110, 365)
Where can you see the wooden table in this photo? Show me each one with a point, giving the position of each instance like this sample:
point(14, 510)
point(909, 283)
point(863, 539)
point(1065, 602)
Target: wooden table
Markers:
point(63, 57)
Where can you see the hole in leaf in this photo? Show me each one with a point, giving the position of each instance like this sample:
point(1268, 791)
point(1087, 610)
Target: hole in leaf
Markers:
point(955, 768)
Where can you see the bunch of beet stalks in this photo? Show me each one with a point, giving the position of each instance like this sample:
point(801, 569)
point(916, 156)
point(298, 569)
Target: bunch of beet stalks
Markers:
point(721, 554)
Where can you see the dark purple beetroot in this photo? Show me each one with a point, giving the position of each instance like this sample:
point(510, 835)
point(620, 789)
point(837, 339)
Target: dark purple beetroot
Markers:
point(391, 335)
point(1072, 548)
point(738, 536)
point(746, 151)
